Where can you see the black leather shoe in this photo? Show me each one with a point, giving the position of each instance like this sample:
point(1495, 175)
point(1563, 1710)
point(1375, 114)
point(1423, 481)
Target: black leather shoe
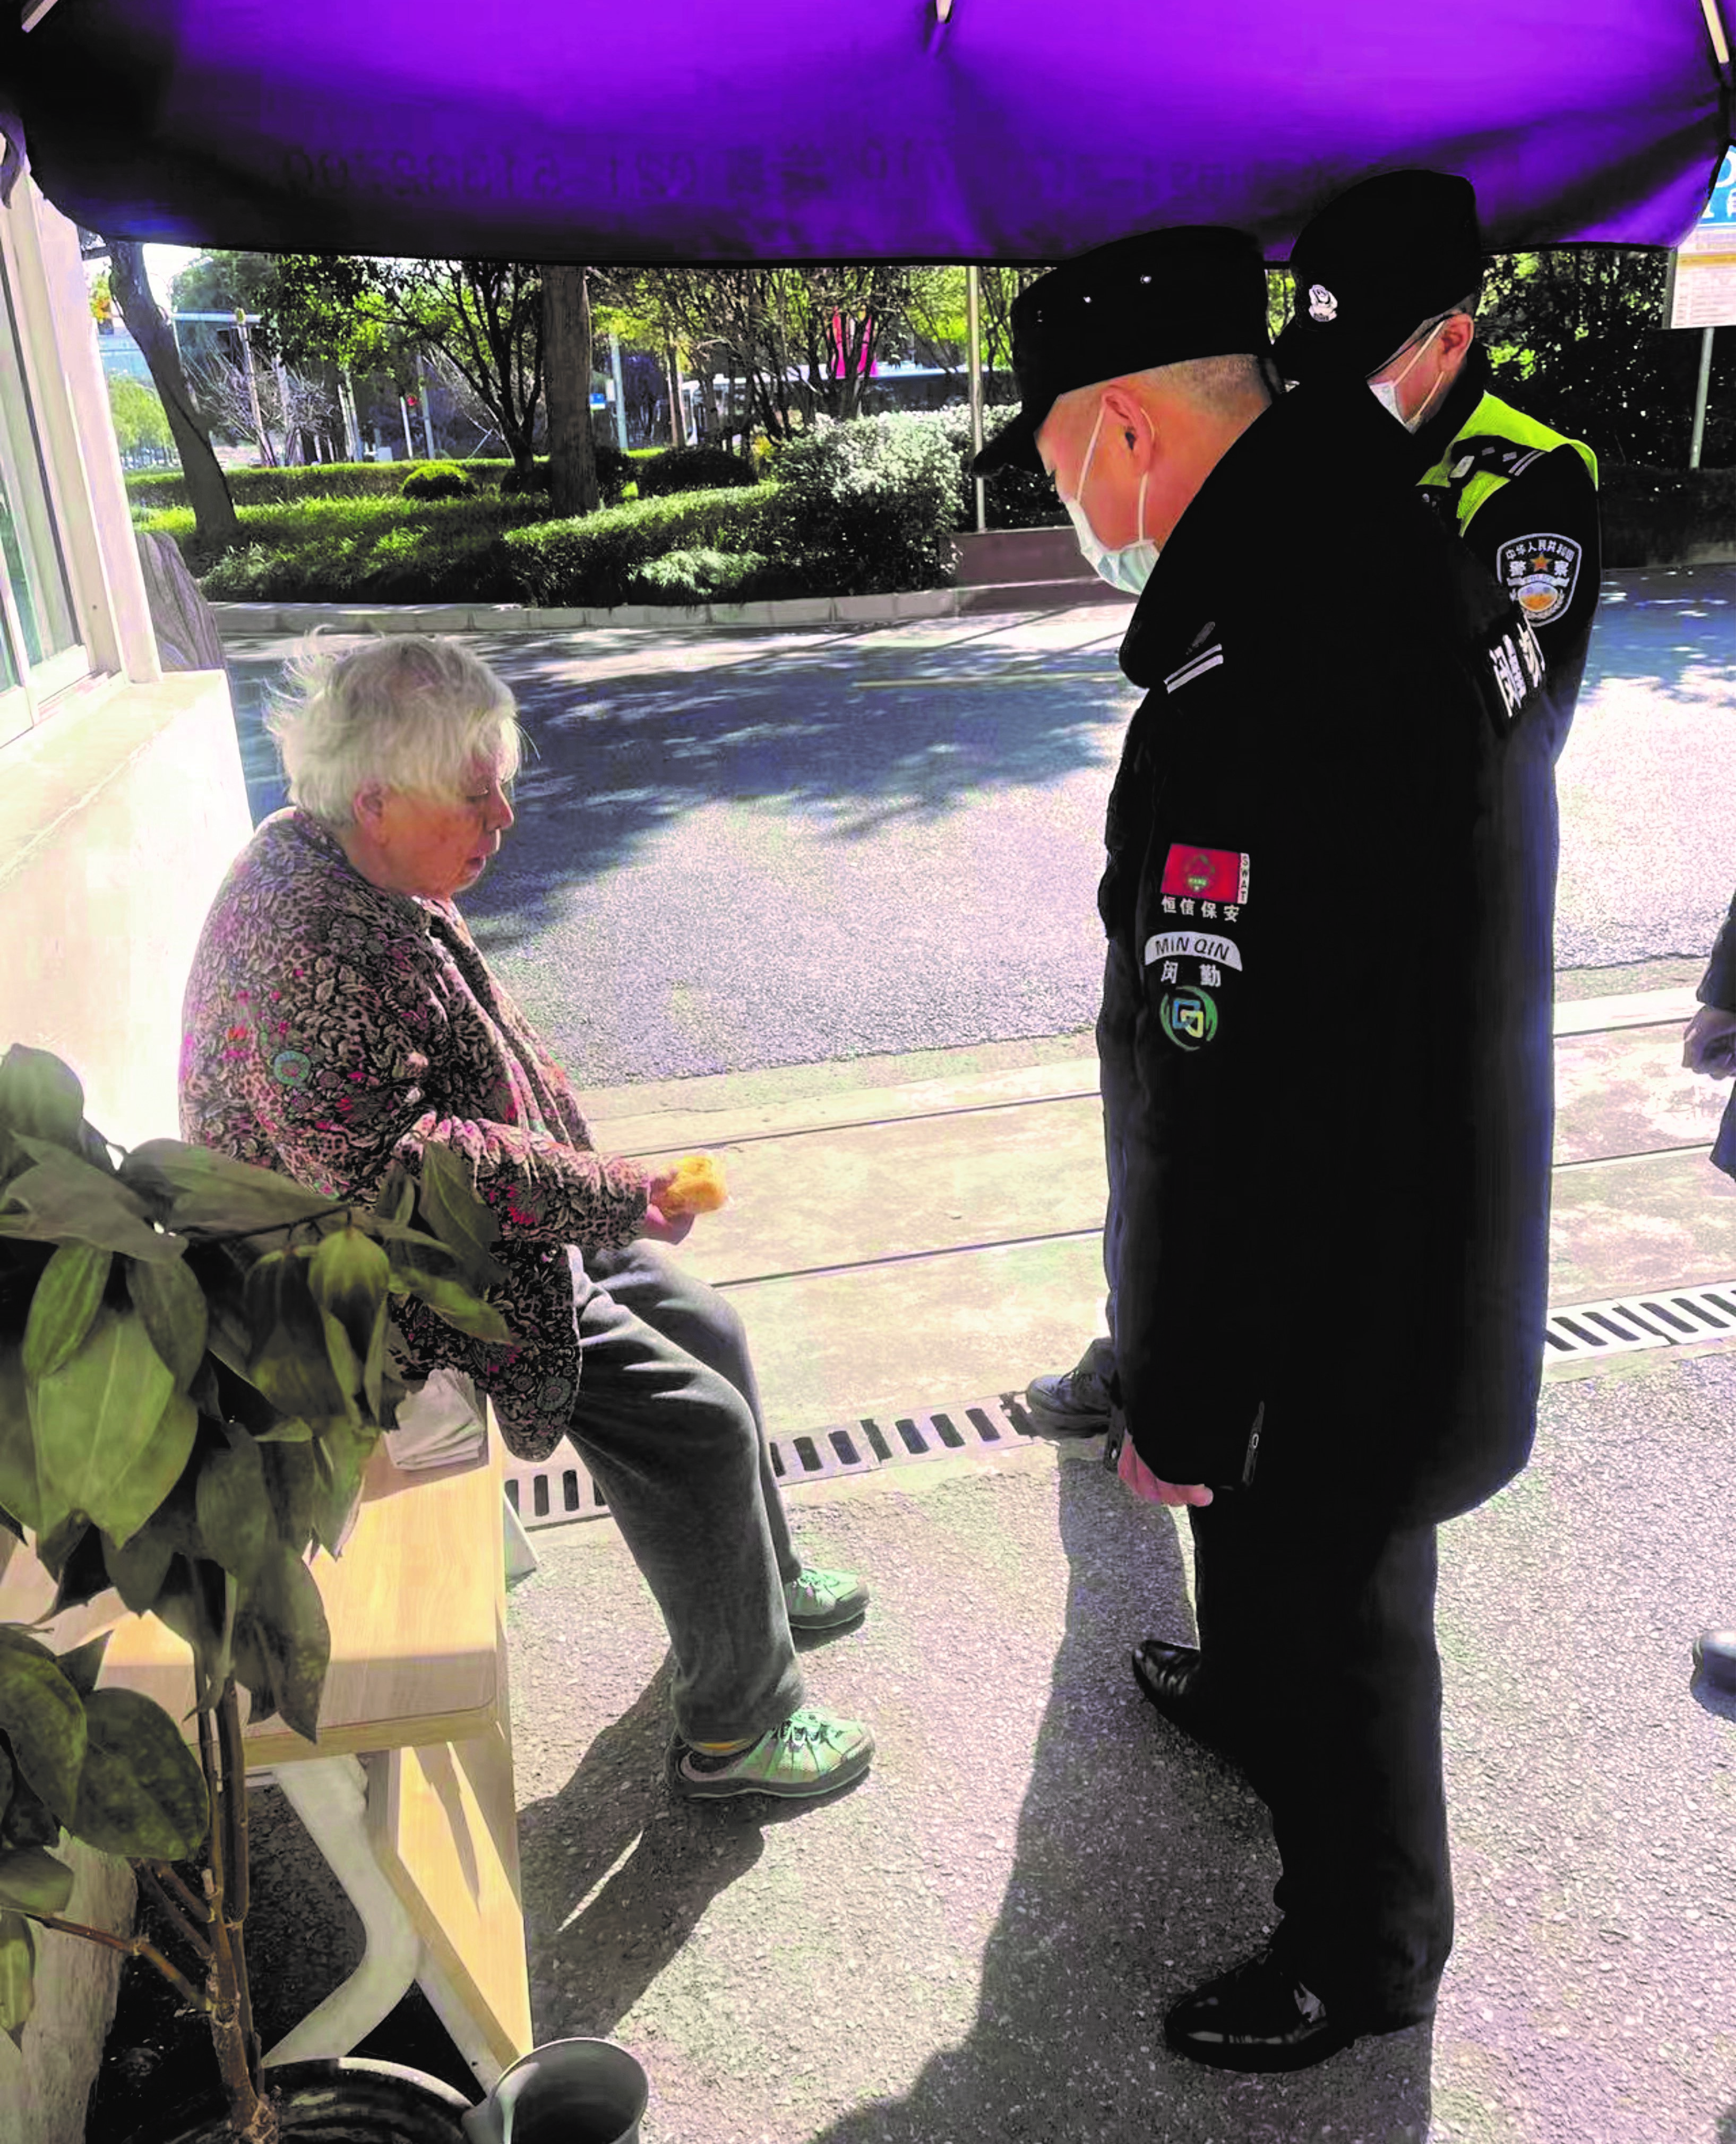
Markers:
point(1258, 2016)
point(1170, 1677)
point(1714, 1656)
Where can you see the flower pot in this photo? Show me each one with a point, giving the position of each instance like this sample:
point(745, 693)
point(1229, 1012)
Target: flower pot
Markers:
point(354, 2101)
point(568, 2091)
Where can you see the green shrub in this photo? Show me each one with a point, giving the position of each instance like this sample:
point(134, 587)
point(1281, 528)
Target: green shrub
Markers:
point(873, 501)
point(690, 469)
point(615, 471)
point(360, 550)
point(1012, 497)
point(1660, 516)
point(699, 576)
point(590, 561)
point(437, 480)
point(277, 487)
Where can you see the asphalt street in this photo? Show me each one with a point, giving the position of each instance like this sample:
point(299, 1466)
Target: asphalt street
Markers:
point(739, 849)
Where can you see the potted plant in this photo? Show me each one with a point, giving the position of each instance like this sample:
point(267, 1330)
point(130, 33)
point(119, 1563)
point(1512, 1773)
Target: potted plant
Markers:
point(194, 1372)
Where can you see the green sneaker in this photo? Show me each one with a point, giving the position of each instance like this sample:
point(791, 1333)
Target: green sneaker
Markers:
point(822, 1600)
point(810, 1754)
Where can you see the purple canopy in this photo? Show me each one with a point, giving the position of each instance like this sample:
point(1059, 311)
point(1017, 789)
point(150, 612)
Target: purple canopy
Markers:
point(859, 129)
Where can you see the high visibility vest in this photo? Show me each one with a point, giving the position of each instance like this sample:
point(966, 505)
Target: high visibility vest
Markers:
point(1495, 444)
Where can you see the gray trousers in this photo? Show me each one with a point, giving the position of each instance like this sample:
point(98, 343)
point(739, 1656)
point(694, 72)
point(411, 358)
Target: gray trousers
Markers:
point(667, 1423)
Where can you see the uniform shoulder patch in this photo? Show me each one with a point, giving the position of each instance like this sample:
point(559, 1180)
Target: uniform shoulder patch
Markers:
point(1540, 572)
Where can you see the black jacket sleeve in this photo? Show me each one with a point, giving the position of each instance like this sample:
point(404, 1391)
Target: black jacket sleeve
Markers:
point(1718, 986)
point(1539, 539)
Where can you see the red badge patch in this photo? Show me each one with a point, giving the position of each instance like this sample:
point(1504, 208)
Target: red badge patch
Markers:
point(1208, 874)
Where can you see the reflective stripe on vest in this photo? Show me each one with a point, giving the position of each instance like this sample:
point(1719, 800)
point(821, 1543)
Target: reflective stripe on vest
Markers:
point(1495, 421)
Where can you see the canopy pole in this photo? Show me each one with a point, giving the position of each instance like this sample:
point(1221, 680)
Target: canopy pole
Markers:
point(1699, 397)
point(974, 313)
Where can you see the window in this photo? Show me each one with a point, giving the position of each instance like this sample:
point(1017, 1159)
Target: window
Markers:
point(41, 646)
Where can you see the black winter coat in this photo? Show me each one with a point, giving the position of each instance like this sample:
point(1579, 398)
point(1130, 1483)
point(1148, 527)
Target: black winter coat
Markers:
point(1326, 1034)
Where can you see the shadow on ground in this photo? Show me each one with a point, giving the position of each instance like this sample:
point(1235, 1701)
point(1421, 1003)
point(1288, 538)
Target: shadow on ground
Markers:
point(856, 735)
point(1140, 1865)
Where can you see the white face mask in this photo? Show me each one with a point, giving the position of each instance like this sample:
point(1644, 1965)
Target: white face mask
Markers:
point(1129, 568)
point(1386, 391)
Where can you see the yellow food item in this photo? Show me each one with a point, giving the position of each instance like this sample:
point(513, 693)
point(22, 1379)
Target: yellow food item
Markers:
point(698, 1186)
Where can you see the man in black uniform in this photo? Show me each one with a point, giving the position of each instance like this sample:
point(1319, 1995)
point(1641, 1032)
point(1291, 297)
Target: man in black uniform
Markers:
point(1321, 859)
point(1386, 282)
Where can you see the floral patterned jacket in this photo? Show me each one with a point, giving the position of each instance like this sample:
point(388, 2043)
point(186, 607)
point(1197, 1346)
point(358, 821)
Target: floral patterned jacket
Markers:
point(332, 1027)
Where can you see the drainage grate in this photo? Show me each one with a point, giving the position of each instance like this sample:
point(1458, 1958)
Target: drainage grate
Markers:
point(557, 1493)
point(1664, 1319)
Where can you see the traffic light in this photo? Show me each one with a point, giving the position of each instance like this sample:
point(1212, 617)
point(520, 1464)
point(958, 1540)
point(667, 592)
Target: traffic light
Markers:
point(409, 403)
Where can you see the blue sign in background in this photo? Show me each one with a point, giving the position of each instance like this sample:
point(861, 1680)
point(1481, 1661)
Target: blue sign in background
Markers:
point(1721, 209)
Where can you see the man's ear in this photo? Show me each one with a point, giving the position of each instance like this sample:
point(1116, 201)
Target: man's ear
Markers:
point(1124, 413)
point(1458, 332)
point(367, 804)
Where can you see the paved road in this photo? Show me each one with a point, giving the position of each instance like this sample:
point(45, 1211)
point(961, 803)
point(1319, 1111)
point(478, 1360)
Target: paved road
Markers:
point(744, 849)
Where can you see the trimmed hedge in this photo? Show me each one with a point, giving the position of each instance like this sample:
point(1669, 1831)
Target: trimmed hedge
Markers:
point(690, 469)
point(592, 562)
point(152, 489)
point(1659, 517)
point(615, 471)
point(437, 480)
point(701, 577)
point(360, 550)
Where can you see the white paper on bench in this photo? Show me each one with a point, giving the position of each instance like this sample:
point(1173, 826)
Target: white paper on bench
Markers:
point(438, 1424)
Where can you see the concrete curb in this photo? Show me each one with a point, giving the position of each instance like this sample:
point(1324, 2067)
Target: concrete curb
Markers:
point(241, 621)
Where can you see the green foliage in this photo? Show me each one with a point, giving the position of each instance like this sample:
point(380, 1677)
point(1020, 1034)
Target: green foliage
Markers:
point(438, 480)
point(141, 425)
point(690, 469)
point(151, 493)
point(615, 471)
point(193, 1376)
point(1576, 338)
point(875, 499)
point(700, 577)
point(1013, 498)
point(590, 561)
point(1664, 516)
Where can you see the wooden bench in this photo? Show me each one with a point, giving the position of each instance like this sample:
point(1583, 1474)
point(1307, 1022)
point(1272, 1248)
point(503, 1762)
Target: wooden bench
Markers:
point(408, 1791)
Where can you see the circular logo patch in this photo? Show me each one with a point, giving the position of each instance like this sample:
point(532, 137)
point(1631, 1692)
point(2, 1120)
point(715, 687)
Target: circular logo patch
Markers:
point(1188, 1017)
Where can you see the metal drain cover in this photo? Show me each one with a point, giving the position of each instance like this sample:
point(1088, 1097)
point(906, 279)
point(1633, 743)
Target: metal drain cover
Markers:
point(1661, 1318)
point(559, 1491)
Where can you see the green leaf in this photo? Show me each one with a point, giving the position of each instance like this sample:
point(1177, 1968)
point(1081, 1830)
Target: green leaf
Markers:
point(200, 1189)
point(287, 1429)
point(82, 1665)
point(56, 1549)
point(7, 1778)
point(83, 1576)
point(455, 1304)
point(395, 1200)
point(65, 1305)
point(28, 1820)
point(42, 1716)
point(458, 1217)
point(235, 1520)
point(113, 1433)
point(17, 1973)
point(289, 1362)
point(22, 1491)
point(191, 1604)
point(138, 1571)
point(32, 1881)
point(41, 1098)
point(64, 1199)
point(141, 1792)
point(339, 1457)
point(350, 1279)
point(171, 1305)
point(292, 1483)
point(286, 1618)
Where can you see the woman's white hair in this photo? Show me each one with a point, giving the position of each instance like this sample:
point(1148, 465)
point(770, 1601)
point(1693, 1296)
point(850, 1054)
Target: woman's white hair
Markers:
point(407, 710)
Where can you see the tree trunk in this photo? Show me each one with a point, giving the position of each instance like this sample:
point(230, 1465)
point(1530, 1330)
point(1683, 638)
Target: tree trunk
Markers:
point(572, 487)
point(214, 516)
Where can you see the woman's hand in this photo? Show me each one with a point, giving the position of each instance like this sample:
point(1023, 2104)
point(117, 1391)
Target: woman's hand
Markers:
point(662, 1227)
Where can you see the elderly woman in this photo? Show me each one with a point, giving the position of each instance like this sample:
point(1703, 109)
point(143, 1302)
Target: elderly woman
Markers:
point(339, 1018)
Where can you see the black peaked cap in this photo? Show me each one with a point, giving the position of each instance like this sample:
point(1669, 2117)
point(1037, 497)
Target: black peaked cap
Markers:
point(1393, 251)
point(1160, 298)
